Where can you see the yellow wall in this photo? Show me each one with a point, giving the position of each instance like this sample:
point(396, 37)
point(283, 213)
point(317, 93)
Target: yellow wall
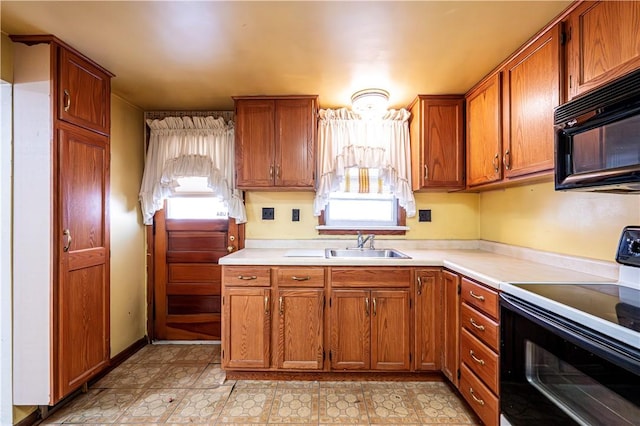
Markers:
point(128, 282)
point(575, 223)
point(6, 58)
point(454, 216)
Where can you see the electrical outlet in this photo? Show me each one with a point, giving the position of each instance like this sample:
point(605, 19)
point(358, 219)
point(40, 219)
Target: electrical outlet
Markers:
point(268, 213)
point(424, 215)
point(295, 215)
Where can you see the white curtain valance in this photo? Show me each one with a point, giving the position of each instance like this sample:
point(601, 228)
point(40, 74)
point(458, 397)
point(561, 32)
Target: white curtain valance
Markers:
point(187, 147)
point(345, 141)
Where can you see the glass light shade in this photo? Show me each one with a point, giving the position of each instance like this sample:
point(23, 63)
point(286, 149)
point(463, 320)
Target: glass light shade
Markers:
point(370, 102)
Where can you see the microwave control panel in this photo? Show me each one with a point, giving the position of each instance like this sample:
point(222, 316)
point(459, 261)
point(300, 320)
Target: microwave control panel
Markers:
point(629, 248)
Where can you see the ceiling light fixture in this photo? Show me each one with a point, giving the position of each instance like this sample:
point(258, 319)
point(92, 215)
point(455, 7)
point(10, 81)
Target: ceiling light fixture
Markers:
point(370, 102)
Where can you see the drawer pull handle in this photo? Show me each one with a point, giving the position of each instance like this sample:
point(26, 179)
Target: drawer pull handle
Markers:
point(476, 325)
point(307, 278)
point(281, 305)
point(476, 359)
point(476, 296)
point(266, 305)
point(366, 305)
point(375, 307)
point(419, 286)
point(67, 100)
point(496, 163)
point(247, 277)
point(475, 398)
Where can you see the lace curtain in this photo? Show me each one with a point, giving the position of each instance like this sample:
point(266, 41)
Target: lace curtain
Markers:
point(346, 141)
point(190, 147)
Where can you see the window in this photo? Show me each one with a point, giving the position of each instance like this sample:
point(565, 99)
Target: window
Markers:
point(363, 201)
point(193, 199)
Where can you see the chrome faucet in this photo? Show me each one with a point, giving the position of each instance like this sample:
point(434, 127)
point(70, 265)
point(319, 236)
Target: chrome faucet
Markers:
point(362, 240)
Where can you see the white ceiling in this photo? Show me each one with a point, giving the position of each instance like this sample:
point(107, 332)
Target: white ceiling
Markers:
point(197, 54)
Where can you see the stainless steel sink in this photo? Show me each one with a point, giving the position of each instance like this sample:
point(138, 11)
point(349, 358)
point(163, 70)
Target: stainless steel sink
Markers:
point(364, 253)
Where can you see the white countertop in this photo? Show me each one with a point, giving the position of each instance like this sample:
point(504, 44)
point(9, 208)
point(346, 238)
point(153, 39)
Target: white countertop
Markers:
point(489, 268)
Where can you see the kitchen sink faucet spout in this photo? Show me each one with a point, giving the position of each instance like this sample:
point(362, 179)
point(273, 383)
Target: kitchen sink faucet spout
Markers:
point(362, 240)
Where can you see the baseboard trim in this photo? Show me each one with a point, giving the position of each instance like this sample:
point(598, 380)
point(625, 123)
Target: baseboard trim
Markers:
point(30, 420)
point(432, 376)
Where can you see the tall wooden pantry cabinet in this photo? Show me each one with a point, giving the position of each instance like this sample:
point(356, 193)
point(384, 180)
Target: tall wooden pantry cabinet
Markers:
point(61, 219)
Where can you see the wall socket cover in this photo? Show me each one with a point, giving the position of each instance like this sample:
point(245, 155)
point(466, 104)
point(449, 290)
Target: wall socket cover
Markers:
point(424, 215)
point(295, 215)
point(268, 213)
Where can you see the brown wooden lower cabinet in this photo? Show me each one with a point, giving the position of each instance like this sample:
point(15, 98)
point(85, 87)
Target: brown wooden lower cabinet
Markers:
point(450, 325)
point(300, 328)
point(428, 315)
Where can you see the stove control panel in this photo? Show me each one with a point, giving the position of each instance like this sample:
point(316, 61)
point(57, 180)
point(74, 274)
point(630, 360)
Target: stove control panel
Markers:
point(629, 247)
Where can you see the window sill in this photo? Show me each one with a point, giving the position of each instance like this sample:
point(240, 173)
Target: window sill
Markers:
point(350, 230)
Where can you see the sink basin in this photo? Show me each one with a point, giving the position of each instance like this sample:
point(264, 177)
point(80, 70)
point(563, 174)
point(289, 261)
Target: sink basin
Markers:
point(364, 253)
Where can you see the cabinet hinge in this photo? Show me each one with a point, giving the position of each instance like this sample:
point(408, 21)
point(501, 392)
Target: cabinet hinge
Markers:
point(153, 227)
point(410, 357)
point(459, 289)
point(324, 301)
point(458, 374)
point(324, 355)
point(410, 303)
point(329, 306)
point(222, 354)
point(223, 300)
point(330, 356)
point(563, 38)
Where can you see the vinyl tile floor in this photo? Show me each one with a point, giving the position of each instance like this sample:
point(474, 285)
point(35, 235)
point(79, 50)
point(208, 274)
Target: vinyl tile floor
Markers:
point(184, 384)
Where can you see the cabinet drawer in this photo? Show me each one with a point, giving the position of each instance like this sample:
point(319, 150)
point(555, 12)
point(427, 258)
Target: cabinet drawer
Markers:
point(479, 397)
point(371, 277)
point(481, 326)
point(246, 276)
point(481, 297)
point(480, 359)
point(300, 277)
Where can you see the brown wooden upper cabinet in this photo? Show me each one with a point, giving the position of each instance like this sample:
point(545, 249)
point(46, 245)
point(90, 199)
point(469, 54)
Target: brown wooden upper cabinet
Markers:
point(531, 90)
point(437, 149)
point(510, 116)
point(82, 90)
point(275, 142)
point(603, 43)
point(484, 135)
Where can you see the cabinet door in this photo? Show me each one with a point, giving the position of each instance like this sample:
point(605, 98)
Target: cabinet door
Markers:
point(84, 93)
point(246, 324)
point(390, 347)
point(428, 315)
point(254, 139)
point(531, 90)
point(484, 136)
point(300, 331)
point(350, 328)
point(295, 125)
point(602, 44)
point(450, 325)
point(440, 142)
point(81, 295)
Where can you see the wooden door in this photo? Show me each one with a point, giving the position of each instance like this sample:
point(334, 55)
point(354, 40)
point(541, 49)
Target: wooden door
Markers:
point(81, 293)
point(531, 90)
point(450, 325)
point(428, 313)
point(603, 44)
point(390, 319)
point(255, 143)
point(246, 341)
point(187, 277)
point(484, 136)
point(295, 125)
point(300, 330)
point(81, 84)
point(350, 329)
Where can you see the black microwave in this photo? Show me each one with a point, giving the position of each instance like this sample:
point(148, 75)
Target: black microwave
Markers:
point(597, 139)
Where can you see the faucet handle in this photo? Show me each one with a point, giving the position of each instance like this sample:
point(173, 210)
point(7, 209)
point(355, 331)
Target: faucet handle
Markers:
point(371, 237)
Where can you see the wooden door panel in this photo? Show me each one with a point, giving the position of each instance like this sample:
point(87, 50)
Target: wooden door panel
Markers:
point(428, 312)
point(82, 291)
point(390, 341)
point(254, 136)
point(247, 331)
point(294, 157)
point(484, 142)
point(450, 325)
point(350, 329)
point(187, 278)
point(444, 153)
point(532, 90)
point(300, 331)
point(84, 92)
